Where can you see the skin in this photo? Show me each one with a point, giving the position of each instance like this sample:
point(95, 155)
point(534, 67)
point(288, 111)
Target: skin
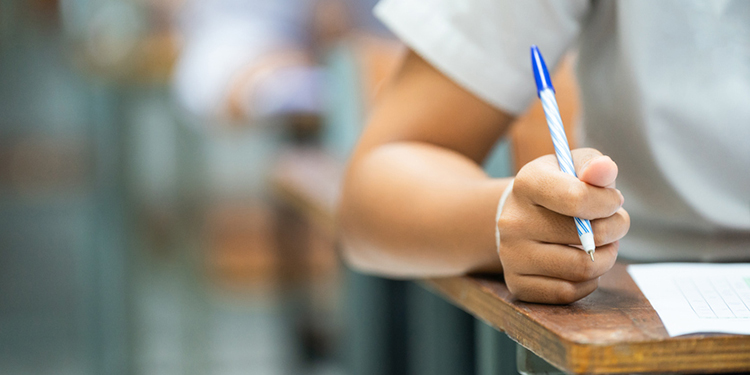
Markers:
point(416, 203)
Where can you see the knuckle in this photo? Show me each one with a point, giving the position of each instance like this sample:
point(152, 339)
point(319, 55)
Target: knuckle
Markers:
point(615, 248)
point(625, 218)
point(510, 225)
point(615, 199)
point(613, 252)
point(571, 292)
point(612, 228)
point(515, 287)
point(601, 228)
point(565, 293)
point(606, 230)
point(505, 225)
point(574, 204)
point(623, 222)
point(618, 226)
point(523, 182)
point(587, 271)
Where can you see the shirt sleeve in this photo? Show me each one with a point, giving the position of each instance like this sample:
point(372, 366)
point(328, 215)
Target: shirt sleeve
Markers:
point(483, 45)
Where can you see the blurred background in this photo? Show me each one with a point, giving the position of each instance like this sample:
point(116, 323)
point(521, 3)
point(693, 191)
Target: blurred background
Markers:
point(142, 232)
point(169, 171)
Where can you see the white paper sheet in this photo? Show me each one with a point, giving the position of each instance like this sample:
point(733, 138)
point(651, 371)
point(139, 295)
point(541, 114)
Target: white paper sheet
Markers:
point(697, 297)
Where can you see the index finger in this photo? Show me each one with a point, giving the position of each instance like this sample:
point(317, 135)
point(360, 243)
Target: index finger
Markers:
point(544, 184)
point(567, 262)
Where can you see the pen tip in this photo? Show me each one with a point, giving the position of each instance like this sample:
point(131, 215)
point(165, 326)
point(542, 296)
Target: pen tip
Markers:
point(591, 254)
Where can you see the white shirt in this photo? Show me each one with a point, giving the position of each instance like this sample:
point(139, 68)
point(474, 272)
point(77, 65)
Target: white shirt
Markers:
point(665, 87)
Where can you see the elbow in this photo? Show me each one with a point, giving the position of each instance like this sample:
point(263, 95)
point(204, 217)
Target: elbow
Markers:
point(356, 258)
point(351, 253)
point(364, 245)
point(356, 250)
point(366, 256)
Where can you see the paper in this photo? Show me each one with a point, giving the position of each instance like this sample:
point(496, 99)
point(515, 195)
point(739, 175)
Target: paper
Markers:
point(697, 297)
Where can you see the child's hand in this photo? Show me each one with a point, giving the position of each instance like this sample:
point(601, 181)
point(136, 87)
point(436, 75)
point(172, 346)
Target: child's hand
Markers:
point(537, 228)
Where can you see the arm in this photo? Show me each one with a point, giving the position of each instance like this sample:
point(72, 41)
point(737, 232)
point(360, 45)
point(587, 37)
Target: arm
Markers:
point(433, 214)
point(416, 203)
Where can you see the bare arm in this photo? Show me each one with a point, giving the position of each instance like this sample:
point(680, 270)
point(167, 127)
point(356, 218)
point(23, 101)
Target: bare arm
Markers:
point(415, 200)
point(416, 203)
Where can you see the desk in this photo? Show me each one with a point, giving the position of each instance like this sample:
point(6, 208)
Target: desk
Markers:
point(614, 330)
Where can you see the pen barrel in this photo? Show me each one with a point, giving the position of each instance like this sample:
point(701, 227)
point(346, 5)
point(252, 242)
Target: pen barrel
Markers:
point(557, 131)
point(562, 149)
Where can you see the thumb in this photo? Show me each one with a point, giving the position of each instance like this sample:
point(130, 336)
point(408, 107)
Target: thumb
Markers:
point(594, 168)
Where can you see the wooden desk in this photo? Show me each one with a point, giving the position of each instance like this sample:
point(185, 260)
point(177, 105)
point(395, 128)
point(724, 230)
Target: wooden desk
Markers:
point(614, 330)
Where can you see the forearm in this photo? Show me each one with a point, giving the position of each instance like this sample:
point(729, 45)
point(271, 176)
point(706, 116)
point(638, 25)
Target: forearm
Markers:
point(415, 210)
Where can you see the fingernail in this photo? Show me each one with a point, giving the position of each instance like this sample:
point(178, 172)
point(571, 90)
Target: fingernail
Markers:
point(622, 198)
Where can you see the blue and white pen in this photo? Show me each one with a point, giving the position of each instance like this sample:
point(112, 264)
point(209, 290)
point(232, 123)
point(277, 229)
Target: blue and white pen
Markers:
point(547, 94)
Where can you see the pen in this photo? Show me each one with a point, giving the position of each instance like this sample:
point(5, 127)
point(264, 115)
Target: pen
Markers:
point(546, 93)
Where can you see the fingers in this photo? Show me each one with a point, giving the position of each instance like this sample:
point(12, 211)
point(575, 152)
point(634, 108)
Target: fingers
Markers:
point(600, 171)
point(537, 228)
point(561, 262)
point(542, 183)
point(545, 226)
point(558, 274)
point(541, 289)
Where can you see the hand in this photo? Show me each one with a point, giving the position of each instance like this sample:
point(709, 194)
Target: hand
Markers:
point(537, 232)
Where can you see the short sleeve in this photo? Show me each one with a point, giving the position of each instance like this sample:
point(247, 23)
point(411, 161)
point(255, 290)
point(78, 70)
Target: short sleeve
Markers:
point(483, 45)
